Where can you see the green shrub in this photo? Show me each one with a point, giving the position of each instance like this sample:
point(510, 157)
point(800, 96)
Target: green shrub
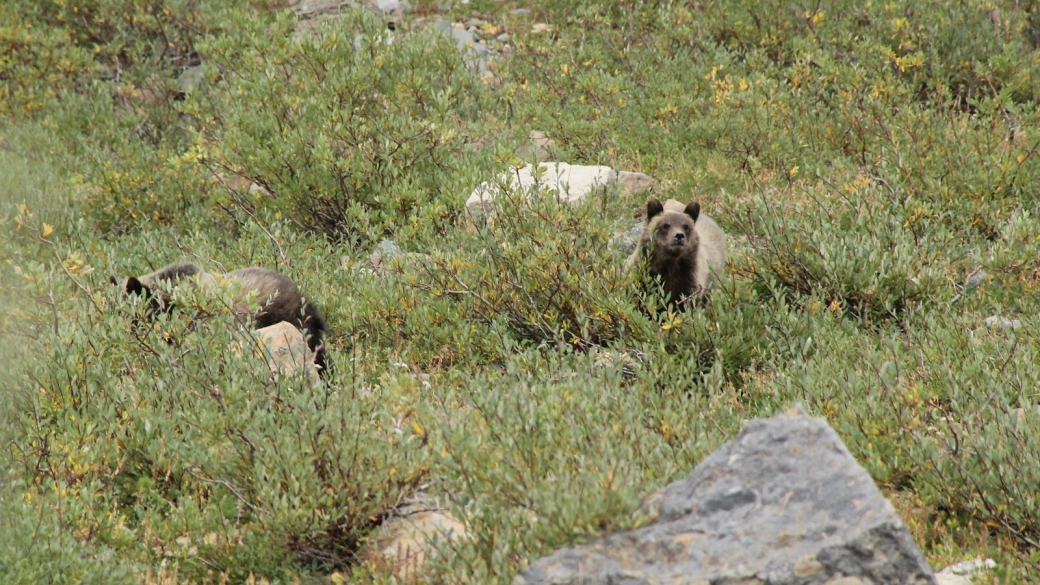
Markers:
point(197, 455)
point(863, 158)
point(857, 256)
point(348, 133)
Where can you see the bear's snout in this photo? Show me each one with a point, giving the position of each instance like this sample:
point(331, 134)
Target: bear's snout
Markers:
point(680, 237)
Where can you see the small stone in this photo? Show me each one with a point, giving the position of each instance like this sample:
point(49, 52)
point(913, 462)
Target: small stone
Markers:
point(538, 149)
point(475, 23)
point(633, 183)
point(257, 189)
point(393, 6)
point(974, 279)
point(519, 11)
point(191, 78)
point(389, 256)
point(313, 7)
point(503, 38)
point(610, 359)
point(625, 241)
point(384, 251)
point(540, 27)
point(996, 322)
point(475, 54)
point(968, 567)
point(286, 351)
point(410, 535)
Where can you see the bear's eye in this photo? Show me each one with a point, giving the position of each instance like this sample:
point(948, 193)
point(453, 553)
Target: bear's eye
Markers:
point(686, 229)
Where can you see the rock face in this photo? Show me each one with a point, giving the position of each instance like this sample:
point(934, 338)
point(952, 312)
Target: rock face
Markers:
point(566, 182)
point(783, 503)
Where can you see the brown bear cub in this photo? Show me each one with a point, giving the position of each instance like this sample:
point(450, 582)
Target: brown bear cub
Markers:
point(681, 250)
point(279, 298)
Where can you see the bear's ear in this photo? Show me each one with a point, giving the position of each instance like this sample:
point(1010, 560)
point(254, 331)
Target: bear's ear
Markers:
point(113, 280)
point(693, 210)
point(653, 208)
point(134, 286)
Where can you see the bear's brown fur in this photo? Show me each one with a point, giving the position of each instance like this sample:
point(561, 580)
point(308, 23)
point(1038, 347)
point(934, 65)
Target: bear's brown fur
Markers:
point(681, 250)
point(279, 298)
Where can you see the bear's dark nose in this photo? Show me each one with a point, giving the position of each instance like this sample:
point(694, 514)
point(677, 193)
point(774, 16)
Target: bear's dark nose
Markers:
point(679, 237)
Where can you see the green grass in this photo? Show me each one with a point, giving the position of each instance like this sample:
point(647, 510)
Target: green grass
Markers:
point(863, 159)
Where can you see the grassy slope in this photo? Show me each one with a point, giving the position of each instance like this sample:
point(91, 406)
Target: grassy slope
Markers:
point(865, 159)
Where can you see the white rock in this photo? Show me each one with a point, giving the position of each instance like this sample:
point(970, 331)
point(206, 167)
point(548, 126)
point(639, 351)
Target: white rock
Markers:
point(961, 573)
point(565, 182)
point(952, 579)
point(997, 322)
point(393, 5)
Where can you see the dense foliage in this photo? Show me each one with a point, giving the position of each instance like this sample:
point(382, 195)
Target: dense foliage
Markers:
point(875, 165)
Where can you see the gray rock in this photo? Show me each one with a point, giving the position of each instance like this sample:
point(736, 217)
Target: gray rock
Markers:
point(519, 11)
point(997, 322)
point(384, 251)
point(306, 8)
point(388, 257)
point(392, 5)
point(503, 38)
point(191, 78)
point(783, 503)
point(625, 241)
point(974, 279)
point(475, 54)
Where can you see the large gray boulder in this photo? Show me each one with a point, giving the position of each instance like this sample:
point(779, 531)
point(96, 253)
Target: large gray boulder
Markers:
point(783, 503)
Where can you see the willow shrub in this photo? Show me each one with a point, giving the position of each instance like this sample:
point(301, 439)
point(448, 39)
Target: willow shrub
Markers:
point(351, 133)
point(169, 440)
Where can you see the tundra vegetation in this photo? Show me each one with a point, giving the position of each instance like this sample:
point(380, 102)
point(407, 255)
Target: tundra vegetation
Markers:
point(874, 163)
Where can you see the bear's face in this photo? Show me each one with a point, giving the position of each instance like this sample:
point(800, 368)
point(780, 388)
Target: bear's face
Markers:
point(671, 232)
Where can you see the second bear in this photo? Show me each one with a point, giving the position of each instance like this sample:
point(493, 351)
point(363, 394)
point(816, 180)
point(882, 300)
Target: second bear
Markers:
point(279, 297)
